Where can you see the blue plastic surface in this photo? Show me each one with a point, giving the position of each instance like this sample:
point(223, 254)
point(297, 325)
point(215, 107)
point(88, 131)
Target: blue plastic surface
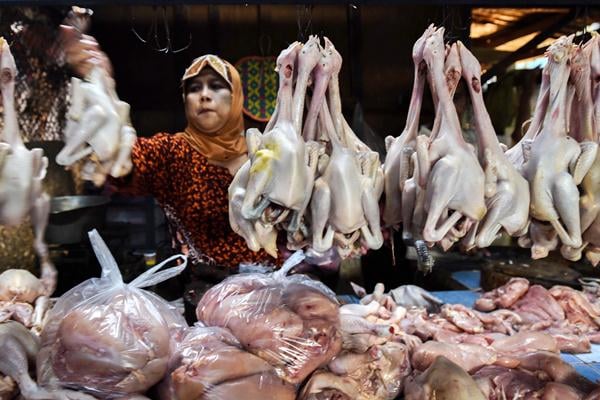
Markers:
point(470, 279)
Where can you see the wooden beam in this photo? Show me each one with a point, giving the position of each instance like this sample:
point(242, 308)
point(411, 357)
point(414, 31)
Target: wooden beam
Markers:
point(500, 67)
point(524, 26)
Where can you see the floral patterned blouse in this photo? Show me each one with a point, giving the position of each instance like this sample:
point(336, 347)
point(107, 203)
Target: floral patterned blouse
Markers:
point(193, 194)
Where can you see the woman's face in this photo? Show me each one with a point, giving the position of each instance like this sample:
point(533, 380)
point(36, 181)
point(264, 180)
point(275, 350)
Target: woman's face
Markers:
point(207, 101)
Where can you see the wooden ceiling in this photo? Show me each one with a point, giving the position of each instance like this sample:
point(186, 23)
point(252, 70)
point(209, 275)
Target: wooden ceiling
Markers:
point(501, 36)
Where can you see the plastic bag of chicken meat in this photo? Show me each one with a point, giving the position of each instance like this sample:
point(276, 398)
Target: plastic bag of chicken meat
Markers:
point(107, 337)
point(292, 322)
point(210, 364)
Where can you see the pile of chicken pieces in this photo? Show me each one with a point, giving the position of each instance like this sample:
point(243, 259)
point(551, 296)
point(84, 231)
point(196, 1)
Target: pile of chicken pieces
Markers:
point(458, 353)
point(308, 174)
point(545, 188)
point(507, 348)
point(512, 352)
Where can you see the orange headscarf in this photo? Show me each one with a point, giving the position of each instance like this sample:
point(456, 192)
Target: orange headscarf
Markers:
point(229, 142)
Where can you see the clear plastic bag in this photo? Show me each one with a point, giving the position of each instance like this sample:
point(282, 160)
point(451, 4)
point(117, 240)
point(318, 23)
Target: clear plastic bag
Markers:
point(292, 322)
point(108, 337)
point(210, 364)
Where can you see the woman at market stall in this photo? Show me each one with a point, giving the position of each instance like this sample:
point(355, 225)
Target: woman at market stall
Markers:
point(189, 172)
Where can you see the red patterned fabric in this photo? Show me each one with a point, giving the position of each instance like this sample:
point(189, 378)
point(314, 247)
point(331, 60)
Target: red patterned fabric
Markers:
point(193, 194)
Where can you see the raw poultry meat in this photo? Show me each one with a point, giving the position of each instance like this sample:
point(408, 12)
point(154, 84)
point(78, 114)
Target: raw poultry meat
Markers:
point(98, 130)
point(503, 296)
point(560, 391)
point(19, 347)
point(472, 321)
point(376, 353)
point(470, 356)
point(375, 374)
point(499, 383)
point(566, 314)
point(463, 317)
point(589, 206)
point(21, 170)
point(506, 191)
point(291, 323)
point(209, 363)
point(414, 192)
point(455, 180)
point(443, 380)
point(556, 163)
point(399, 150)
point(584, 129)
point(570, 339)
point(516, 153)
point(25, 298)
point(279, 155)
point(525, 342)
point(110, 338)
point(273, 190)
point(578, 309)
point(344, 204)
point(344, 208)
point(542, 238)
point(538, 307)
point(556, 369)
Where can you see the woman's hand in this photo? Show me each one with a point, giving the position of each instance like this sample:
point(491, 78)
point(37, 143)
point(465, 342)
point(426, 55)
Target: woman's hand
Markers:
point(82, 52)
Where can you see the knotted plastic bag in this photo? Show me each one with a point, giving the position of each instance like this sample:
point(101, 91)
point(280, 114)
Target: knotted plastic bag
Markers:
point(291, 322)
point(108, 337)
point(210, 364)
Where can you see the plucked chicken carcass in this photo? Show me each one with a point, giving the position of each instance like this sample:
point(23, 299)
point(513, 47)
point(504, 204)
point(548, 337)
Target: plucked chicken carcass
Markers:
point(210, 364)
point(25, 298)
point(344, 204)
point(292, 323)
point(454, 179)
point(515, 153)
point(414, 213)
point(399, 150)
point(556, 163)
point(272, 191)
point(277, 180)
point(98, 130)
point(19, 348)
point(586, 128)
point(506, 191)
point(110, 338)
point(21, 170)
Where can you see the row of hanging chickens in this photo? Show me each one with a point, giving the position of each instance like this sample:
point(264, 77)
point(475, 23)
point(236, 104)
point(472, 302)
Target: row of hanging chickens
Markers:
point(308, 175)
point(312, 178)
point(544, 189)
point(98, 135)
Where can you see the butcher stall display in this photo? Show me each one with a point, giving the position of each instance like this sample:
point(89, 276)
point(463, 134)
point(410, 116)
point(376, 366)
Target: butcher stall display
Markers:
point(542, 190)
point(311, 181)
point(308, 175)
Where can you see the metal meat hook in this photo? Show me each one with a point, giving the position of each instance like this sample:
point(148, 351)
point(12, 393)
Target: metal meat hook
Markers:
point(159, 33)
